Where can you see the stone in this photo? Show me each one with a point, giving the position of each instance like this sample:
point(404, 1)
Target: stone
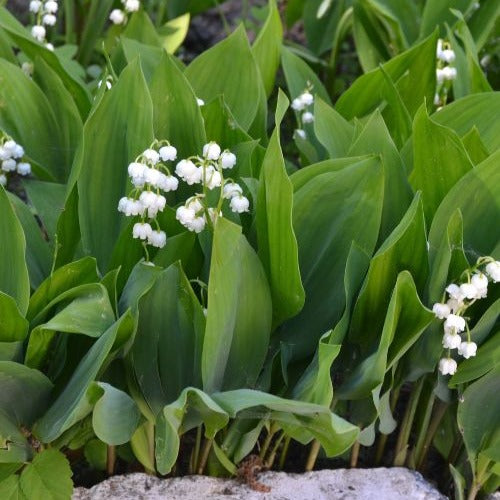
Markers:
point(340, 484)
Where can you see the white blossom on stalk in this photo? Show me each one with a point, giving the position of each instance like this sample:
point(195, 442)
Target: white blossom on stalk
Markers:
point(154, 203)
point(142, 230)
point(117, 16)
point(200, 102)
point(9, 165)
point(23, 168)
point(188, 172)
point(454, 324)
point(441, 311)
point(301, 133)
point(213, 178)
point(451, 340)
point(480, 282)
point(307, 98)
point(3, 180)
point(49, 20)
point(157, 239)
point(152, 156)
point(232, 189)
point(211, 151)
point(51, 6)
point(35, 6)
point(307, 117)
point(132, 5)
point(493, 270)
point(455, 292)
point(168, 183)
point(239, 204)
point(168, 153)
point(227, 160)
point(297, 104)
point(447, 366)
point(467, 349)
point(38, 32)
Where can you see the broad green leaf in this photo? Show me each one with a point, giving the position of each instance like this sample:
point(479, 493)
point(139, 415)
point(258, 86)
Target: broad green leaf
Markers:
point(473, 110)
point(229, 68)
point(70, 406)
point(483, 20)
point(239, 312)
point(166, 353)
point(115, 416)
point(176, 115)
point(332, 130)
point(479, 237)
point(302, 421)
point(366, 93)
point(192, 408)
point(90, 313)
point(404, 322)
point(298, 75)
point(477, 415)
point(14, 447)
point(65, 112)
point(95, 453)
point(404, 249)
point(347, 207)
point(141, 28)
point(174, 32)
point(375, 139)
point(277, 242)
point(13, 325)
point(438, 12)
point(38, 251)
point(103, 176)
point(47, 477)
point(10, 489)
point(440, 160)
point(267, 47)
point(21, 36)
point(77, 273)
point(474, 146)
point(14, 279)
point(25, 392)
point(148, 54)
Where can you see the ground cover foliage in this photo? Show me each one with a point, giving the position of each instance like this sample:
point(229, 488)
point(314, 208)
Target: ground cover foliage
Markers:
point(266, 247)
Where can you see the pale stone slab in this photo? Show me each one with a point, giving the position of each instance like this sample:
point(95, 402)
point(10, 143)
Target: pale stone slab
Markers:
point(340, 484)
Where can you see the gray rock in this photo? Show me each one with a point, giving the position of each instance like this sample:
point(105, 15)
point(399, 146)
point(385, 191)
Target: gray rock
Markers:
point(340, 484)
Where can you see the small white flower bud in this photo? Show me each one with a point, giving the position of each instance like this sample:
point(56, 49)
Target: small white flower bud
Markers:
point(157, 239)
point(35, 6)
point(142, 230)
point(4, 154)
point(184, 214)
point(38, 32)
point(211, 151)
point(239, 204)
point(232, 189)
point(168, 183)
point(307, 98)
point(168, 153)
point(9, 165)
point(493, 270)
point(454, 324)
point(454, 305)
point(467, 349)
point(451, 341)
point(117, 16)
point(297, 104)
point(18, 151)
point(447, 366)
point(307, 117)
point(447, 56)
point(454, 292)
point(152, 176)
point(200, 102)
point(23, 168)
point(51, 6)
point(227, 159)
point(480, 282)
point(49, 46)
point(49, 19)
point(441, 311)
point(301, 133)
point(188, 172)
point(213, 178)
point(152, 156)
point(132, 5)
point(468, 290)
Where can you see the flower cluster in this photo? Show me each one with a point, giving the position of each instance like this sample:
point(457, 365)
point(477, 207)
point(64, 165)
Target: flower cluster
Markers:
point(150, 177)
point(45, 12)
point(460, 298)
point(11, 155)
point(302, 105)
point(445, 72)
point(208, 170)
point(119, 16)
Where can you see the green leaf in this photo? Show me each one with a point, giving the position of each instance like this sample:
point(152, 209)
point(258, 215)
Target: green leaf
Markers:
point(483, 20)
point(474, 146)
point(438, 12)
point(21, 36)
point(375, 139)
point(302, 421)
point(48, 477)
point(229, 68)
point(25, 392)
point(71, 405)
point(174, 32)
point(149, 56)
point(479, 239)
point(440, 160)
point(115, 416)
point(298, 74)
point(14, 447)
point(277, 242)
point(366, 93)
point(176, 114)
point(239, 312)
point(13, 325)
point(477, 415)
point(103, 176)
point(10, 489)
point(192, 408)
point(267, 47)
point(95, 452)
point(169, 315)
point(141, 28)
point(14, 279)
point(473, 110)
point(332, 130)
point(347, 206)
point(90, 313)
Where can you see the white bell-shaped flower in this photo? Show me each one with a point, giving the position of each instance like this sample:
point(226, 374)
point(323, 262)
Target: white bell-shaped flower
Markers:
point(117, 16)
point(480, 282)
point(441, 311)
point(451, 341)
point(213, 178)
point(51, 6)
point(307, 98)
point(467, 349)
point(132, 5)
point(188, 172)
point(151, 156)
point(49, 19)
point(227, 159)
point(136, 172)
point(157, 239)
point(23, 168)
point(231, 189)
point(168, 183)
point(211, 151)
point(168, 153)
point(307, 117)
point(35, 6)
point(447, 366)
point(239, 204)
point(297, 104)
point(9, 165)
point(493, 270)
point(141, 230)
point(454, 324)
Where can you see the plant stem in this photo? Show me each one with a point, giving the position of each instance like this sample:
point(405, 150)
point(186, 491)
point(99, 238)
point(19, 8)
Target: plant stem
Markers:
point(474, 491)
point(151, 444)
point(404, 432)
point(382, 441)
point(196, 451)
point(207, 446)
point(269, 462)
point(423, 430)
point(266, 443)
point(313, 455)
point(355, 454)
point(110, 460)
point(438, 414)
point(284, 452)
